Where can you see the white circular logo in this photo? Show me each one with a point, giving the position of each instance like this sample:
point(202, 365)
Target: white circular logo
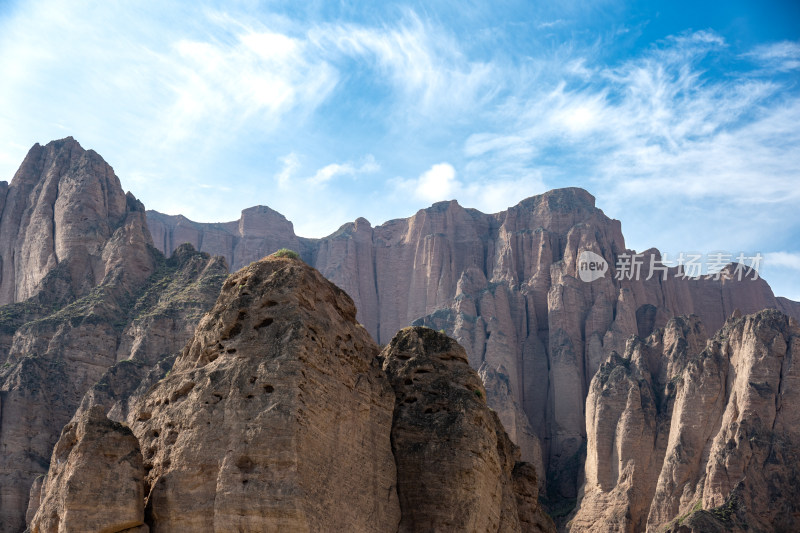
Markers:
point(591, 266)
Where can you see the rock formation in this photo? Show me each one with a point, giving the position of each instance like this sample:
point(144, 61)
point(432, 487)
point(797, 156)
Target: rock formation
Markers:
point(685, 435)
point(506, 287)
point(91, 305)
point(455, 463)
point(94, 462)
point(278, 416)
point(87, 289)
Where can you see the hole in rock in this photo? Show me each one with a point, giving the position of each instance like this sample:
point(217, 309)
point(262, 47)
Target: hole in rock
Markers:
point(264, 323)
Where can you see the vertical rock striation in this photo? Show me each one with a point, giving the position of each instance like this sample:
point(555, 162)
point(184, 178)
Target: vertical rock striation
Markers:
point(280, 415)
point(275, 417)
point(506, 286)
point(83, 290)
point(689, 436)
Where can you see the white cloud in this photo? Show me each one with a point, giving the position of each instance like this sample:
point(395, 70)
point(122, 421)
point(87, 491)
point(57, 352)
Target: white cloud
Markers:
point(424, 63)
point(782, 56)
point(329, 172)
point(490, 195)
point(437, 183)
point(789, 260)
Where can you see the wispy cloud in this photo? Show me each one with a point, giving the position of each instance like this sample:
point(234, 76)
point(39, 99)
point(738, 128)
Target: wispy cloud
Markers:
point(283, 108)
point(655, 123)
point(783, 56)
point(423, 62)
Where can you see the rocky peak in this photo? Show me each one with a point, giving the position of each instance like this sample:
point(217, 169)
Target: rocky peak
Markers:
point(261, 221)
point(60, 210)
point(279, 416)
point(276, 414)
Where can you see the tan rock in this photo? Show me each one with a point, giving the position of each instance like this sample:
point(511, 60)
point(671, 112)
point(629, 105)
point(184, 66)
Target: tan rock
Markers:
point(90, 284)
point(94, 463)
point(686, 437)
point(506, 286)
point(275, 417)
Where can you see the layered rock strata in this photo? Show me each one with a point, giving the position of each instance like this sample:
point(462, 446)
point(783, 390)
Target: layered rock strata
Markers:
point(689, 435)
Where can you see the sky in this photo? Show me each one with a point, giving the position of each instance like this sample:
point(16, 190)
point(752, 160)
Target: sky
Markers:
point(681, 118)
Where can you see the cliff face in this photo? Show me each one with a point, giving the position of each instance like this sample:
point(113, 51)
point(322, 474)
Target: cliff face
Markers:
point(61, 209)
point(507, 287)
point(95, 292)
point(280, 415)
point(93, 306)
point(693, 436)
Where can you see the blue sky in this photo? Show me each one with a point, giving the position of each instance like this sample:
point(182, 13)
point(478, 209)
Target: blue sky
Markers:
point(682, 118)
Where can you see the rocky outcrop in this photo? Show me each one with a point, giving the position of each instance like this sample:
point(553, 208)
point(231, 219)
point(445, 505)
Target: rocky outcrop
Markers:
point(94, 462)
point(258, 232)
point(507, 287)
point(276, 415)
point(281, 415)
point(686, 435)
point(108, 296)
point(85, 290)
point(54, 360)
point(455, 463)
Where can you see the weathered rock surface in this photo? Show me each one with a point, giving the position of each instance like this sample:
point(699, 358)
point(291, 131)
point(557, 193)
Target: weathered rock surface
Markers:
point(506, 287)
point(94, 463)
point(689, 436)
point(276, 416)
point(455, 463)
point(281, 415)
point(61, 209)
point(102, 301)
point(85, 291)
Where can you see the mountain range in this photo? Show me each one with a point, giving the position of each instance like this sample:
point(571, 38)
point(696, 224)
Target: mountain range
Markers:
point(650, 402)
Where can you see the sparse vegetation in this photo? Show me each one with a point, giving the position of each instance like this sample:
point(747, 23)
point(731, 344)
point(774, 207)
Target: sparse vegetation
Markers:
point(285, 252)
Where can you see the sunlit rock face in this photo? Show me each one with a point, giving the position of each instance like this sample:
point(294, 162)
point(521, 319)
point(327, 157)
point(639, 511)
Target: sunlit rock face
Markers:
point(280, 414)
point(508, 287)
point(83, 289)
point(688, 435)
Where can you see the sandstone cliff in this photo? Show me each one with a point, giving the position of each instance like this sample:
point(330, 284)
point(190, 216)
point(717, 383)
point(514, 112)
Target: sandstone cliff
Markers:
point(506, 287)
point(99, 293)
point(279, 416)
point(686, 435)
point(85, 292)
